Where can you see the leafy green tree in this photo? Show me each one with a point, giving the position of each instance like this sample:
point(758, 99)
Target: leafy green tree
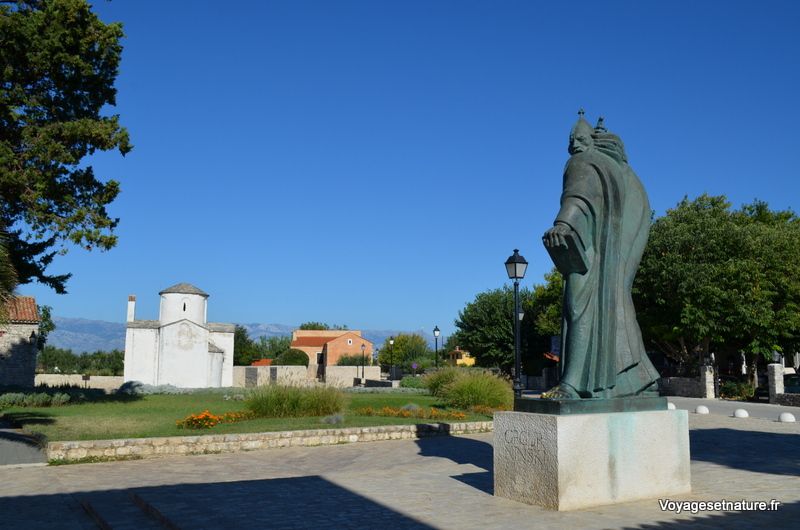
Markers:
point(312, 325)
point(101, 363)
point(272, 347)
point(292, 357)
point(8, 278)
point(353, 360)
point(46, 325)
point(57, 360)
point(406, 348)
point(58, 64)
point(486, 327)
point(547, 304)
point(245, 351)
point(713, 279)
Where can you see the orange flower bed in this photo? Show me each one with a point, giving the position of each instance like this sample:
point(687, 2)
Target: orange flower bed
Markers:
point(206, 420)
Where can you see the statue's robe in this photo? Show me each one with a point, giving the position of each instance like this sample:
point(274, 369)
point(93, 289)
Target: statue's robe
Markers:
point(606, 206)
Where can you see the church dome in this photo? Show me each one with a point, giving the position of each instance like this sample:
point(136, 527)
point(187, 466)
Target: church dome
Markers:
point(184, 288)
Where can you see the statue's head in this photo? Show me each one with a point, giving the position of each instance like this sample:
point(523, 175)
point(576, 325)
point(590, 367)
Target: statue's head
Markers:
point(580, 138)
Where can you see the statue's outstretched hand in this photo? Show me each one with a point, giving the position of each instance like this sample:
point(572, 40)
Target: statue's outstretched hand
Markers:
point(555, 236)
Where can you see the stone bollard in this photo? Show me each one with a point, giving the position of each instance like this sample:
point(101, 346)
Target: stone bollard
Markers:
point(707, 382)
point(775, 378)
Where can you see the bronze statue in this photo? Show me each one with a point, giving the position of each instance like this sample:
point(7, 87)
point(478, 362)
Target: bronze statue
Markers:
point(596, 242)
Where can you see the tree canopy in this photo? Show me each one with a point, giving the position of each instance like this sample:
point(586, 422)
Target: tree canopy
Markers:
point(313, 325)
point(8, 278)
point(406, 348)
point(485, 327)
point(247, 350)
point(58, 64)
point(723, 280)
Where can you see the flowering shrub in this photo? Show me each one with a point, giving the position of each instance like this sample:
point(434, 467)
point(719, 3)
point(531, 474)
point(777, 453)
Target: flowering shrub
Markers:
point(407, 412)
point(206, 420)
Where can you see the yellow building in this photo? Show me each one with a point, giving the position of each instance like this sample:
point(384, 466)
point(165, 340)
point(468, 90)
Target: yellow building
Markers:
point(459, 357)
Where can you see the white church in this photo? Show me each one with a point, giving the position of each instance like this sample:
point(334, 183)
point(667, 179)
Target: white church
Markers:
point(181, 348)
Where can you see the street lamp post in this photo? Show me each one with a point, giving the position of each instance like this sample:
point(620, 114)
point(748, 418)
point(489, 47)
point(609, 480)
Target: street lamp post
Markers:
point(363, 362)
point(391, 358)
point(436, 339)
point(515, 267)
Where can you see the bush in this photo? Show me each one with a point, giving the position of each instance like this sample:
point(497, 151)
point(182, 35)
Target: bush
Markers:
point(736, 390)
point(410, 381)
point(12, 399)
point(353, 360)
point(436, 381)
point(37, 400)
point(292, 358)
point(275, 401)
point(59, 399)
point(480, 389)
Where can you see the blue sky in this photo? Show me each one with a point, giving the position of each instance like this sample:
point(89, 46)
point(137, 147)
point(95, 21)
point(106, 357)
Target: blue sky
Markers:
point(374, 163)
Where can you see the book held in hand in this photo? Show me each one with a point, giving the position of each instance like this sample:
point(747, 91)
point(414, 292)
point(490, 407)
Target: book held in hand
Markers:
point(571, 258)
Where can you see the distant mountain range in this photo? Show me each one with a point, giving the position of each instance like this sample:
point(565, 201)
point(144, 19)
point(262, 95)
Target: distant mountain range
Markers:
point(82, 335)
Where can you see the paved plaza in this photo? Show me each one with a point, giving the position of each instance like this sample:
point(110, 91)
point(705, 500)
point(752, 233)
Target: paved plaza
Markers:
point(443, 482)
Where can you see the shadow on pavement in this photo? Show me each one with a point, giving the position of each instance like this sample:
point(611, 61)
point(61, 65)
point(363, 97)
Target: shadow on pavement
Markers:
point(463, 450)
point(298, 502)
point(763, 452)
point(459, 449)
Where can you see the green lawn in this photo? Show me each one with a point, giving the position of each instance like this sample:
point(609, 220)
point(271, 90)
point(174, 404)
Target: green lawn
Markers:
point(155, 415)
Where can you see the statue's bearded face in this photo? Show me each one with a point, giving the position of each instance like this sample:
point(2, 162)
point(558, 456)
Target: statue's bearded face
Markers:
point(579, 141)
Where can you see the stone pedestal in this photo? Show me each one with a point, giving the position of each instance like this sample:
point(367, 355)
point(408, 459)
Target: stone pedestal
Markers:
point(567, 462)
point(775, 379)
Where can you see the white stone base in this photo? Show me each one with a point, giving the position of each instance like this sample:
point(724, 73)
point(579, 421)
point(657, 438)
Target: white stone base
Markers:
point(568, 462)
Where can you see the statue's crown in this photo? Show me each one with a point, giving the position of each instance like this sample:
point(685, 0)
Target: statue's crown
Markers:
point(582, 125)
point(600, 127)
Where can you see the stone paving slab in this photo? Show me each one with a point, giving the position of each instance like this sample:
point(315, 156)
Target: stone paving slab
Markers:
point(443, 482)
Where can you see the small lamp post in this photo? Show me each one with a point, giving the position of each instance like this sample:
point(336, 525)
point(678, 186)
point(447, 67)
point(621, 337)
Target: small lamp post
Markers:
point(391, 358)
point(436, 333)
point(363, 360)
point(515, 267)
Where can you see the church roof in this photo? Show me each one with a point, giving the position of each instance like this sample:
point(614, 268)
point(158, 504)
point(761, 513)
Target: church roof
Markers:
point(22, 310)
point(184, 288)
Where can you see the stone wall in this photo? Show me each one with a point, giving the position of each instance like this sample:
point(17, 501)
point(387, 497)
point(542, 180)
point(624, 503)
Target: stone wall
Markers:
point(680, 386)
point(227, 443)
point(789, 400)
point(697, 387)
point(252, 376)
point(17, 354)
point(344, 376)
point(109, 383)
point(777, 396)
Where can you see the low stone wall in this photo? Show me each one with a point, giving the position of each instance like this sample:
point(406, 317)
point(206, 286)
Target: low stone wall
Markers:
point(681, 386)
point(228, 443)
point(697, 387)
point(343, 376)
point(789, 400)
point(109, 383)
point(252, 376)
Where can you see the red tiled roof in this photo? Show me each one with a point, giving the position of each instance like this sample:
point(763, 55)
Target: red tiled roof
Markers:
point(311, 341)
point(261, 362)
point(22, 309)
